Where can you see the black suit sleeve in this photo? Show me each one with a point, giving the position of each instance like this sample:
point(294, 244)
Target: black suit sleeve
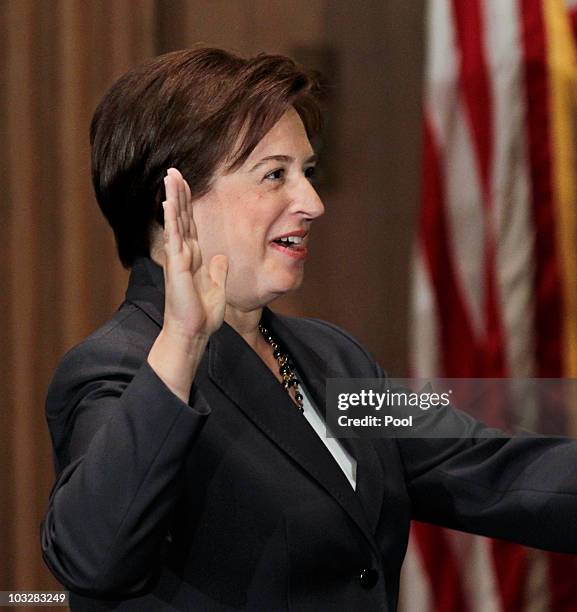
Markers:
point(520, 488)
point(120, 437)
point(482, 481)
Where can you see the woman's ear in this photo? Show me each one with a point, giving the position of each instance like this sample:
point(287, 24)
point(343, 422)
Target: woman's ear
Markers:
point(157, 244)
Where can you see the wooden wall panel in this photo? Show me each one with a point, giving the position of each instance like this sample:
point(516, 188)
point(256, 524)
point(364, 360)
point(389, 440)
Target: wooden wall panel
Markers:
point(58, 269)
point(243, 26)
point(363, 269)
point(23, 279)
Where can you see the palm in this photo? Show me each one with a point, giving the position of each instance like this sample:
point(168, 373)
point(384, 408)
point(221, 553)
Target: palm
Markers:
point(195, 292)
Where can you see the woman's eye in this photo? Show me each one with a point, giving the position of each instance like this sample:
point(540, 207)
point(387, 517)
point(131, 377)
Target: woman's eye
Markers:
point(310, 172)
point(275, 175)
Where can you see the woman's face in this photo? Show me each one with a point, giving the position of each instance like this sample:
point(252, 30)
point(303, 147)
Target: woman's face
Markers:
point(247, 213)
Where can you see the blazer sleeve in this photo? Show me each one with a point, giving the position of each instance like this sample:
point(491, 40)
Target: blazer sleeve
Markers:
point(482, 481)
point(120, 438)
point(521, 488)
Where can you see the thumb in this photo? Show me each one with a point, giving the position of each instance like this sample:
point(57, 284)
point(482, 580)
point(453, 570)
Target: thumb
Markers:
point(218, 269)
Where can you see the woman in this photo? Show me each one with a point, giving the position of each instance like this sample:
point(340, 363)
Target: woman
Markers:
point(193, 470)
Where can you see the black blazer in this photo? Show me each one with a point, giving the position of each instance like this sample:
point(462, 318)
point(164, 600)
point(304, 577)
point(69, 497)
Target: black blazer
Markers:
point(233, 501)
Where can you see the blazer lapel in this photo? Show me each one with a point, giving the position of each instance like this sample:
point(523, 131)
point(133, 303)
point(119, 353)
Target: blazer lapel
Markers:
point(248, 382)
point(315, 372)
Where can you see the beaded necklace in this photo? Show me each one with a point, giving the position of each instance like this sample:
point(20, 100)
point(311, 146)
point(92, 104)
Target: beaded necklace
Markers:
point(286, 366)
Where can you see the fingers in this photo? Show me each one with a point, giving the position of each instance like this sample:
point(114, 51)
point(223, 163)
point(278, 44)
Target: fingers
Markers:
point(174, 197)
point(180, 230)
point(182, 207)
point(179, 190)
point(172, 234)
point(171, 203)
point(189, 208)
point(175, 211)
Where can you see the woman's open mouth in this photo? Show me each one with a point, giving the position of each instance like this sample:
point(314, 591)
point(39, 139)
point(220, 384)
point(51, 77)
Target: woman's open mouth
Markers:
point(291, 245)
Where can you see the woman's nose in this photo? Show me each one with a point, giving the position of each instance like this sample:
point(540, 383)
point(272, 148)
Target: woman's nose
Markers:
point(308, 200)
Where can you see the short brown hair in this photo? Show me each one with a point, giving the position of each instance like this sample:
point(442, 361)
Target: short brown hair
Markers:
point(186, 109)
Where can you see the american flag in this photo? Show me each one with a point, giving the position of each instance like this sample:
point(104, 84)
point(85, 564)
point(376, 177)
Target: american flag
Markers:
point(495, 267)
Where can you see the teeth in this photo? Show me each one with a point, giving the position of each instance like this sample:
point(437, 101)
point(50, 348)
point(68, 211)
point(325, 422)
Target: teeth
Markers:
point(292, 240)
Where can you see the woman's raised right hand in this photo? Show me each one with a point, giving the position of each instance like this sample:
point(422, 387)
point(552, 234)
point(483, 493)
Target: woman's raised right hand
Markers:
point(194, 292)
